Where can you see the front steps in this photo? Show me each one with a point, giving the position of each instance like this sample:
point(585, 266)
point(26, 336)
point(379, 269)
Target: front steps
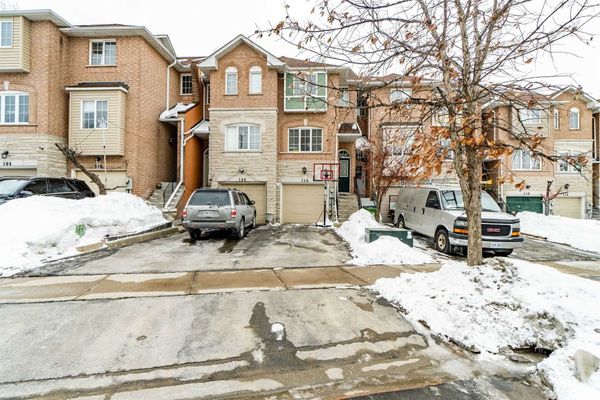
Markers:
point(347, 205)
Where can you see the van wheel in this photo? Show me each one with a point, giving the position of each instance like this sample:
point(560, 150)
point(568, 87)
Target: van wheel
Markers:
point(503, 253)
point(442, 242)
point(401, 223)
point(241, 231)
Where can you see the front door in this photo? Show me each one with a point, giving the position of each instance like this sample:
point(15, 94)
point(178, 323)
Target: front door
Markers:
point(344, 181)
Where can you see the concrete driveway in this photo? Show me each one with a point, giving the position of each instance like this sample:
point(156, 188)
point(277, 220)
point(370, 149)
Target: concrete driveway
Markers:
point(282, 246)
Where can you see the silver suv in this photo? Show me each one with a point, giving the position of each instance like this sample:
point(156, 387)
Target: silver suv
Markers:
point(219, 209)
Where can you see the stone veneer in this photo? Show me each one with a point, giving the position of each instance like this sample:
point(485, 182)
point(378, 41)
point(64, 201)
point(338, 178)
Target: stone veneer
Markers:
point(33, 150)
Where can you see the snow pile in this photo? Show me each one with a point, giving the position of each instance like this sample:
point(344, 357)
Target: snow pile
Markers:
point(385, 250)
point(38, 229)
point(506, 304)
point(582, 234)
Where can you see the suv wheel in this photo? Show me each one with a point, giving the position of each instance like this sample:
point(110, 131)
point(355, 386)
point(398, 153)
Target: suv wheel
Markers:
point(441, 241)
point(241, 231)
point(503, 253)
point(254, 222)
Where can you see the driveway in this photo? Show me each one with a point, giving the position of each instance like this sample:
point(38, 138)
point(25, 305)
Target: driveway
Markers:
point(282, 246)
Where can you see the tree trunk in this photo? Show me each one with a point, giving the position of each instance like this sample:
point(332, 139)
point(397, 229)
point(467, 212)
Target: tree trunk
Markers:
point(471, 189)
point(72, 156)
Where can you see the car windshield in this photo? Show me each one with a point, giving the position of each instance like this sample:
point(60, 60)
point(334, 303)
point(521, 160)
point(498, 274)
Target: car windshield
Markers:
point(453, 200)
point(9, 187)
point(210, 198)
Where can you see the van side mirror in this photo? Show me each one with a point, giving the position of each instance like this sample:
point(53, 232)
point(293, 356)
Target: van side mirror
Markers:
point(25, 193)
point(252, 202)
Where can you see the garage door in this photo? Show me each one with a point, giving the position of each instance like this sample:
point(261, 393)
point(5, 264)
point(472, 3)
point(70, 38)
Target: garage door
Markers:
point(567, 207)
point(302, 204)
point(256, 192)
point(116, 181)
point(524, 203)
point(18, 172)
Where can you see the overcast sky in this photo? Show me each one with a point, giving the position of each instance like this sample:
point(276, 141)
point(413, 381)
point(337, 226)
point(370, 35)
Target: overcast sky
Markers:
point(197, 28)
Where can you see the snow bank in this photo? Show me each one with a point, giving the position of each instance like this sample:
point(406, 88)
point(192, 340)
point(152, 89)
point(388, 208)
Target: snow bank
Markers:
point(385, 250)
point(38, 229)
point(583, 234)
point(509, 304)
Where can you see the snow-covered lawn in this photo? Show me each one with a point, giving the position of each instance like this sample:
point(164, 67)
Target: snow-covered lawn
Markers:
point(385, 250)
point(509, 304)
point(38, 229)
point(582, 234)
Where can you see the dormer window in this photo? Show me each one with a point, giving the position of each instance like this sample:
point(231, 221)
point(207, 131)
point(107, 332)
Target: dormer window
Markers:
point(6, 34)
point(255, 80)
point(231, 80)
point(103, 52)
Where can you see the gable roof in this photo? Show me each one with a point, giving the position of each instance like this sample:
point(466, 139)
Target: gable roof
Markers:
point(211, 62)
point(37, 15)
point(591, 102)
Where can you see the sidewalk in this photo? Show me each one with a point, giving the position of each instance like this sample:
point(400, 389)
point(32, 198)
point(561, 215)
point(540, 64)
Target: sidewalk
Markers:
point(116, 286)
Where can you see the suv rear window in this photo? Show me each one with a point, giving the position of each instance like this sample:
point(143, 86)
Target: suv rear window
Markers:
point(210, 198)
point(59, 186)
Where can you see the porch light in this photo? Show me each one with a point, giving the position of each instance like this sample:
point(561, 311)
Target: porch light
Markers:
point(304, 170)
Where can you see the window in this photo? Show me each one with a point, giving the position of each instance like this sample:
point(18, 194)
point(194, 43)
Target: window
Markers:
point(207, 94)
point(94, 114)
point(255, 80)
point(58, 186)
point(103, 52)
point(398, 95)
point(306, 91)
point(399, 139)
point(231, 80)
point(305, 140)
point(556, 119)
point(37, 187)
point(186, 84)
point(446, 149)
point(574, 118)
point(523, 160)
point(568, 161)
point(441, 117)
point(6, 34)
point(433, 201)
point(14, 108)
point(530, 116)
point(242, 137)
point(344, 100)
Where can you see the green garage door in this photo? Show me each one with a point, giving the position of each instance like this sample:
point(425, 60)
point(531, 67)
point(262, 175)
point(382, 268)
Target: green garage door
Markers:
point(524, 203)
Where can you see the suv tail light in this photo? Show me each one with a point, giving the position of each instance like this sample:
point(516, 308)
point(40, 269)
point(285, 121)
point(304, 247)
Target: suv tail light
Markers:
point(184, 213)
point(233, 213)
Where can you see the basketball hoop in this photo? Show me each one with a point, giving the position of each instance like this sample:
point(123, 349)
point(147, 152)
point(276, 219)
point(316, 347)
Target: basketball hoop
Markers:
point(326, 172)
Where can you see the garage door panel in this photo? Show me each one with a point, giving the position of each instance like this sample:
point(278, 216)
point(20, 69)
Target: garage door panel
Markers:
point(567, 207)
point(256, 192)
point(302, 204)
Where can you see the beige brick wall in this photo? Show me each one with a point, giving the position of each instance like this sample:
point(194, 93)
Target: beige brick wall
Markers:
point(33, 150)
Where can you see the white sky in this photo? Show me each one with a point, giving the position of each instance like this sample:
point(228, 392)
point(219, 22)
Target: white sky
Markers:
point(198, 27)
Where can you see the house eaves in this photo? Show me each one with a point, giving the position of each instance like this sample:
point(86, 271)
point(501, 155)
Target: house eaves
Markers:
point(211, 62)
point(38, 15)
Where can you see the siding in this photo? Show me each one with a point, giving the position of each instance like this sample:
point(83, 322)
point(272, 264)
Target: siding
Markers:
point(26, 45)
point(90, 141)
point(11, 57)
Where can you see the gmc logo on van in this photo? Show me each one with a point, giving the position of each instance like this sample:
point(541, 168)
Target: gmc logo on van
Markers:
point(493, 230)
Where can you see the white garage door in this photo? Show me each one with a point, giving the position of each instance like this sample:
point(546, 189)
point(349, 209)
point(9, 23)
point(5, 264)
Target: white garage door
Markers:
point(116, 181)
point(18, 172)
point(567, 207)
point(256, 192)
point(302, 204)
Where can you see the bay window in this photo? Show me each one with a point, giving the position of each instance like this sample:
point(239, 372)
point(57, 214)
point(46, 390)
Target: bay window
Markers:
point(94, 114)
point(6, 33)
point(14, 108)
point(305, 139)
point(242, 137)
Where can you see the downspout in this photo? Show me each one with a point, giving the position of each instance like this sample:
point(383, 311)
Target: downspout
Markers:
point(183, 141)
point(169, 82)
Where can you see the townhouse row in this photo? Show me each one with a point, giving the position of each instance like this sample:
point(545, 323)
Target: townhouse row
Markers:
point(149, 122)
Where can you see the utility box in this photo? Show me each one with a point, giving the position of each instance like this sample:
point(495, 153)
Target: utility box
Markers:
point(404, 235)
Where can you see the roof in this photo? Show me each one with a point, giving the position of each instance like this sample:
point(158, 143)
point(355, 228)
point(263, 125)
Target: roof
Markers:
point(173, 113)
point(298, 63)
point(98, 86)
point(211, 62)
point(202, 127)
point(591, 102)
point(349, 128)
point(37, 15)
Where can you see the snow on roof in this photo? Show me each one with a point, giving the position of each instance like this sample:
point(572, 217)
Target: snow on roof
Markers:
point(361, 143)
point(171, 114)
point(202, 127)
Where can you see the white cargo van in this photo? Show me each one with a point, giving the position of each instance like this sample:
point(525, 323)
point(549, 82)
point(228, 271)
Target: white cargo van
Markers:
point(438, 212)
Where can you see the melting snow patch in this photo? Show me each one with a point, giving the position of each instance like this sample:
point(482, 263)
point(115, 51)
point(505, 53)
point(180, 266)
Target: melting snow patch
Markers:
point(385, 250)
point(509, 304)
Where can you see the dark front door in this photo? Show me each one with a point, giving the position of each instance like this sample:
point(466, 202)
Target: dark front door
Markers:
point(344, 183)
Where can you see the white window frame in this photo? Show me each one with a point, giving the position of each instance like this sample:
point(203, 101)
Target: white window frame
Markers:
point(96, 101)
point(399, 94)
point(528, 116)
point(311, 144)
point(17, 96)
point(403, 130)
point(255, 71)
point(181, 92)
point(103, 61)
point(235, 147)
point(344, 100)
point(228, 91)
point(574, 111)
point(571, 169)
point(556, 119)
point(12, 33)
point(303, 87)
point(533, 160)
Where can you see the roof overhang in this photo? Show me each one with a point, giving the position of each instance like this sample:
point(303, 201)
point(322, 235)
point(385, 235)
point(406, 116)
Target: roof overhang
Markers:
point(172, 114)
point(98, 88)
point(211, 62)
point(38, 15)
point(202, 129)
point(121, 31)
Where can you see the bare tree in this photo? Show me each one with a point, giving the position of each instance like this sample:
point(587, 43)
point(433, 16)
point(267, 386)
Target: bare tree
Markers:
point(551, 195)
point(472, 52)
point(73, 156)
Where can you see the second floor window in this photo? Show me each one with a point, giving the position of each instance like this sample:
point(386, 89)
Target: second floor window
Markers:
point(186, 84)
point(242, 137)
point(305, 140)
point(103, 52)
point(574, 118)
point(231, 80)
point(530, 116)
point(6, 33)
point(398, 140)
point(569, 161)
point(523, 160)
point(556, 119)
point(94, 114)
point(255, 80)
point(306, 91)
point(14, 108)
point(398, 95)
